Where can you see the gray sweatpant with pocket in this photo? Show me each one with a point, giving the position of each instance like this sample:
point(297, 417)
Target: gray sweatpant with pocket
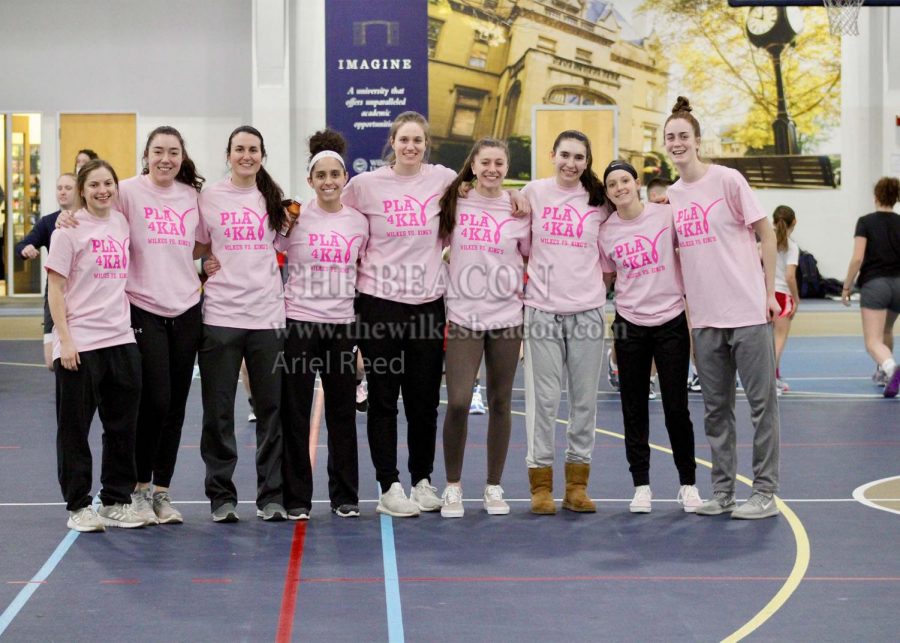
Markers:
point(557, 345)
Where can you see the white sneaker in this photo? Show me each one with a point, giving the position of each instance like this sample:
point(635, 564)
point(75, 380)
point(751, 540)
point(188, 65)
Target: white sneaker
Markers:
point(451, 502)
point(640, 504)
point(162, 507)
point(85, 520)
point(120, 515)
point(143, 506)
point(425, 496)
point(494, 503)
point(652, 394)
point(476, 407)
point(689, 498)
point(394, 502)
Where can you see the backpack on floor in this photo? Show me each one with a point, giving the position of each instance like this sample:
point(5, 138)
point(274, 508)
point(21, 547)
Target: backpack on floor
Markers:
point(809, 281)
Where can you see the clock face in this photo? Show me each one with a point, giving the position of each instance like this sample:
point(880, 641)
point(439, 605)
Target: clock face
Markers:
point(795, 18)
point(760, 20)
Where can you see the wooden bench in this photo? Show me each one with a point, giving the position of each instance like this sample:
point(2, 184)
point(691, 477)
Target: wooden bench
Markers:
point(783, 171)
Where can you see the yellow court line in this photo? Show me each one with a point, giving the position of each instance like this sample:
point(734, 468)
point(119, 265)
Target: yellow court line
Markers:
point(801, 559)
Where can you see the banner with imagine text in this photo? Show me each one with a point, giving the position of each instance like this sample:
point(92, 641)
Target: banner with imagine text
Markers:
point(376, 67)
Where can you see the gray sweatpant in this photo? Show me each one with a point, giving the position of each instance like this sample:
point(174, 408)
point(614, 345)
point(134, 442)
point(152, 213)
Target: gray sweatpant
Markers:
point(750, 351)
point(557, 344)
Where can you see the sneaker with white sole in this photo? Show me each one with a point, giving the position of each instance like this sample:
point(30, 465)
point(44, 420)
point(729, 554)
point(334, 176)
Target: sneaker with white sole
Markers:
point(225, 513)
point(346, 510)
point(394, 502)
point(720, 503)
point(251, 417)
point(298, 513)
point(476, 406)
point(494, 503)
point(272, 512)
point(689, 498)
point(362, 397)
point(85, 520)
point(651, 393)
point(612, 372)
point(641, 503)
point(120, 515)
point(165, 512)
point(694, 383)
point(451, 502)
point(142, 504)
point(425, 496)
point(759, 505)
point(879, 378)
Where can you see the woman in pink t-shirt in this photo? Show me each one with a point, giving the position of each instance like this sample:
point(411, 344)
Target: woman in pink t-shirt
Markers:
point(401, 284)
point(243, 319)
point(732, 302)
point(97, 363)
point(638, 250)
point(488, 247)
point(323, 247)
point(564, 324)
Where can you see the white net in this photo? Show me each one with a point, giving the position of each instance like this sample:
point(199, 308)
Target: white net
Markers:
point(842, 16)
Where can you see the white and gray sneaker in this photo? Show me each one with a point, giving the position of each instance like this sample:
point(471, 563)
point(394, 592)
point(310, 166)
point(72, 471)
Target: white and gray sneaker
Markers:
point(494, 503)
point(721, 502)
point(85, 520)
point(452, 503)
point(689, 498)
point(162, 507)
point(142, 505)
point(759, 505)
point(120, 515)
point(394, 502)
point(641, 503)
point(425, 496)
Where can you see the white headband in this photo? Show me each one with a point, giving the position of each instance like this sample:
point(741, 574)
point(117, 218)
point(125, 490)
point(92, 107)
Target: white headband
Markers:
point(324, 154)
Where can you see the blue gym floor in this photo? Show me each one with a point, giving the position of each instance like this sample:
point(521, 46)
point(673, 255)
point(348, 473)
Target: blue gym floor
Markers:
point(827, 569)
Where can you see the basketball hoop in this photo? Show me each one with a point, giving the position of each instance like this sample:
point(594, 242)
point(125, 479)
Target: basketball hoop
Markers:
point(842, 16)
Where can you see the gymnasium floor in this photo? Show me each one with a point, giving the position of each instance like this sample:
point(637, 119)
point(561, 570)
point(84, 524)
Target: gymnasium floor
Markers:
point(827, 569)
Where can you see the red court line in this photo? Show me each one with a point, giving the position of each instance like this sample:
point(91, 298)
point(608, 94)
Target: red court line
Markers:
point(120, 581)
point(9, 447)
point(291, 582)
point(568, 579)
point(211, 581)
point(25, 582)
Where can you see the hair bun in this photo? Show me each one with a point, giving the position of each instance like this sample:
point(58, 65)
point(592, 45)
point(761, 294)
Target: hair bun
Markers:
point(682, 104)
point(327, 139)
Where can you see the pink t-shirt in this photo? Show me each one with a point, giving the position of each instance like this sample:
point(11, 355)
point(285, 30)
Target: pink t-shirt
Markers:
point(322, 252)
point(162, 278)
point(246, 292)
point(93, 258)
point(564, 272)
point(403, 261)
point(723, 275)
point(649, 289)
point(486, 266)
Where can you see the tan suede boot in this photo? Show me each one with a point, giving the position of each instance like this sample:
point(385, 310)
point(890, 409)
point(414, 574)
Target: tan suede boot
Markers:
point(576, 488)
point(541, 480)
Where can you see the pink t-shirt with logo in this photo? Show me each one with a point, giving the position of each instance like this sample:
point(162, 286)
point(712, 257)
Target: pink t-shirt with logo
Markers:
point(723, 275)
point(403, 261)
point(246, 292)
point(564, 272)
point(486, 266)
point(162, 278)
point(322, 252)
point(641, 251)
point(93, 257)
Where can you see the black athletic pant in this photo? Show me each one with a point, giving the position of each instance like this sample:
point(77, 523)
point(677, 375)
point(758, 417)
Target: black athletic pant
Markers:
point(402, 347)
point(220, 358)
point(327, 349)
point(108, 380)
point(168, 348)
point(636, 347)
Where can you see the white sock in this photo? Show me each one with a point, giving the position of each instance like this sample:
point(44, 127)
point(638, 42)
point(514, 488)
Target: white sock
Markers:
point(889, 366)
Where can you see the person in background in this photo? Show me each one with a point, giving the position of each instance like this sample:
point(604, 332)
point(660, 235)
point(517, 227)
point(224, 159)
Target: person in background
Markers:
point(875, 265)
point(97, 364)
point(784, 221)
point(39, 237)
point(82, 157)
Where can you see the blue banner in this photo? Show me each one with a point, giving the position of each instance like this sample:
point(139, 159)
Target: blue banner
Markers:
point(376, 66)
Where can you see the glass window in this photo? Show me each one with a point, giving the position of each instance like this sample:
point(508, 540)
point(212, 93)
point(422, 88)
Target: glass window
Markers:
point(478, 57)
point(434, 31)
point(465, 114)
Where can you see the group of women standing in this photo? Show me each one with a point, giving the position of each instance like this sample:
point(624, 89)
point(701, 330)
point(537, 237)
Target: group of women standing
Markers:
point(366, 274)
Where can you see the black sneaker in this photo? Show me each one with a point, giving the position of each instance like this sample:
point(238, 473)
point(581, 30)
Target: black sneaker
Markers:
point(298, 513)
point(346, 511)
